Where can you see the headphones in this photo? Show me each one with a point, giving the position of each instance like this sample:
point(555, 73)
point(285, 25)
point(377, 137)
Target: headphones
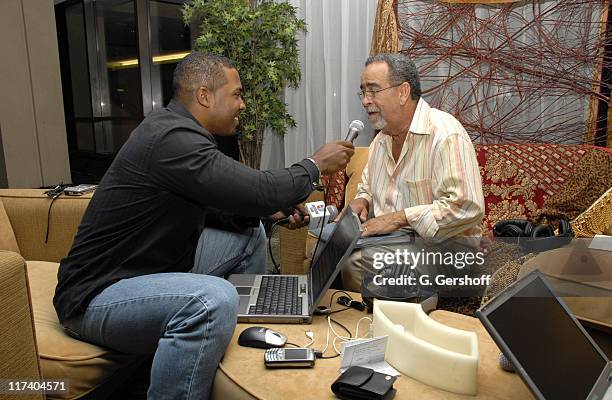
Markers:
point(533, 237)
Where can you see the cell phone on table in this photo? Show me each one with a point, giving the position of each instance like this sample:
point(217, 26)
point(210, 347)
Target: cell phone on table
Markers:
point(301, 357)
point(79, 190)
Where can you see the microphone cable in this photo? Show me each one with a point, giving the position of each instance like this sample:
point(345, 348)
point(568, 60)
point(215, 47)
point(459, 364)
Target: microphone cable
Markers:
point(53, 193)
point(276, 265)
point(355, 127)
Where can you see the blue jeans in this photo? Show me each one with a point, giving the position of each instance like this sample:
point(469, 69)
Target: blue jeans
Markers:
point(185, 319)
point(221, 253)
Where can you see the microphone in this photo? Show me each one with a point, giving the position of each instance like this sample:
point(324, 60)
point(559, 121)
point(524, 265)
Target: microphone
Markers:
point(354, 128)
point(319, 214)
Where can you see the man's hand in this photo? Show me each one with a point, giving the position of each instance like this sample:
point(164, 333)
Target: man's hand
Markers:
point(384, 224)
point(333, 156)
point(297, 219)
point(361, 208)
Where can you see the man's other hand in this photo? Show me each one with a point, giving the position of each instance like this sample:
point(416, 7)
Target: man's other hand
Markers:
point(333, 156)
point(384, 224)
point(361, 208)
point(297, 219)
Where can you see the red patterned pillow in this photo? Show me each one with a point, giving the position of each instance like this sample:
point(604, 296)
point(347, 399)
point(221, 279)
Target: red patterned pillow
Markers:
point(335, 185)
point(518, 178)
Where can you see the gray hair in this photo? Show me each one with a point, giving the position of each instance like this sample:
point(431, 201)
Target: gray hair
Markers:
point(200, 69)
point(401, 69)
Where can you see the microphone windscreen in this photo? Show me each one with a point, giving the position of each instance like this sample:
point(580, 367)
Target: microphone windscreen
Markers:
point(357, 125)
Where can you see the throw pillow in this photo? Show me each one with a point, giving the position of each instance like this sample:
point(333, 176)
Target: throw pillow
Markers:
point(596, 219)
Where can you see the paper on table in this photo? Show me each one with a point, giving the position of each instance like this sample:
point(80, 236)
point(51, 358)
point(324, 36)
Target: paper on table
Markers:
point(601, 242)
point(368, 353)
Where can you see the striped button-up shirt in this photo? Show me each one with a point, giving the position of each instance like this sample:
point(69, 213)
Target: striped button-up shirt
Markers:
point(436, 181)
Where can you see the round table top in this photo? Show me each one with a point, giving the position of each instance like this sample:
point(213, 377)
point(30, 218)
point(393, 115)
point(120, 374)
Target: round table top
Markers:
point(245, 367)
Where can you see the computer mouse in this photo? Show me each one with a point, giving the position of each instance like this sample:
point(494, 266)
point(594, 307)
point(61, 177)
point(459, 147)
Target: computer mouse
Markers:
point(261, 337)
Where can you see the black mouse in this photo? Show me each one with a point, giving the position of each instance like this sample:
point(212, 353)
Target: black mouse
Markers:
point(261, 337)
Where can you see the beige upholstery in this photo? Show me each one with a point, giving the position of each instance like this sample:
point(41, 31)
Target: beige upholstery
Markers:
point(28, 209)
point(7, 236)
point(354, 170)
point(17, 342)
point(87, 367)
point(61, 356)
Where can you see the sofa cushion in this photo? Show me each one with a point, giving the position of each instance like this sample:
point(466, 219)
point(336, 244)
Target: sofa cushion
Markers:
point(28, 211)
point(87, 366)
point(591, 177)
point(7, 236)
point(517, 179)
point(354, 170)
point(17, 342)
point(595, 220)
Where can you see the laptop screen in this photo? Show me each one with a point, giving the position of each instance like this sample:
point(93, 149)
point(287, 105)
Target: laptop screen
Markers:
point(553, 351)
point(343, 238)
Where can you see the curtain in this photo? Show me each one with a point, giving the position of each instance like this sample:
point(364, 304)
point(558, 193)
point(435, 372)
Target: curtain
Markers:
point(332, 55)
point(386, 36)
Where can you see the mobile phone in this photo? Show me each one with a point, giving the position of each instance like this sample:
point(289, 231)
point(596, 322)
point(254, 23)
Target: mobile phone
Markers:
point(301, 357)
point(79, 189)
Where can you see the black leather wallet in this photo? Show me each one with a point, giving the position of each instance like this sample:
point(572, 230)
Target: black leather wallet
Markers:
point(359, 383)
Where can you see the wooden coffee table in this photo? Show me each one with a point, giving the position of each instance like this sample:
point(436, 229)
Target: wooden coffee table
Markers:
point(242, 374)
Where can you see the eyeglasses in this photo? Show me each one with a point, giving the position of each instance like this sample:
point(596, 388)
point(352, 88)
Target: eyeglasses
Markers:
point(372, 93)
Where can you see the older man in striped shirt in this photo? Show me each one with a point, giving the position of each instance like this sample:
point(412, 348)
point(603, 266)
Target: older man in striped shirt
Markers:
point(422, 170)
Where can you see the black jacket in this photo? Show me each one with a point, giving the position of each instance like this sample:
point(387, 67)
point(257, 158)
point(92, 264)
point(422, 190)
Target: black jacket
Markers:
point(148, 211)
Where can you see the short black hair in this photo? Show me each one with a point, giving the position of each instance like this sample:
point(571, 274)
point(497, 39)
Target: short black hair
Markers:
point(200, 69)
point(401, 69)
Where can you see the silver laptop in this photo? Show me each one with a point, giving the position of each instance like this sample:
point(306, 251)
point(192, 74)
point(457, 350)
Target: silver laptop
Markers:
point(552, 352)
point(293, 298)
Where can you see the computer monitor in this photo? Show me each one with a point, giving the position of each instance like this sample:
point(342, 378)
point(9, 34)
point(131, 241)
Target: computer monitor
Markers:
point(551, 351)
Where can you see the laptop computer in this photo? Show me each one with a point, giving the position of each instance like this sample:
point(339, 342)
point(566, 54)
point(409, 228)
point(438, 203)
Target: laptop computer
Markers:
point(293, 298)
point(551, 351)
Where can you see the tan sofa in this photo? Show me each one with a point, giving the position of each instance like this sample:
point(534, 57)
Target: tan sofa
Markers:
point(33, 344)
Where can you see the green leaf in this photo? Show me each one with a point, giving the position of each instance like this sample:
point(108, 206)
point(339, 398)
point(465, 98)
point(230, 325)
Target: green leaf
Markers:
point(262, 42)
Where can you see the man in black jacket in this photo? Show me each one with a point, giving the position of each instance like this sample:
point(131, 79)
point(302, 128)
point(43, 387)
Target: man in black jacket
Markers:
point(129, 282)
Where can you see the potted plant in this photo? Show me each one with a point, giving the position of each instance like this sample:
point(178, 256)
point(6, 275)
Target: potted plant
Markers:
point(261, 38)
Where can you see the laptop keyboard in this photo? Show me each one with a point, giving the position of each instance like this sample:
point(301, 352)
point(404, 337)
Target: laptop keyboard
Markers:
point(278, 295)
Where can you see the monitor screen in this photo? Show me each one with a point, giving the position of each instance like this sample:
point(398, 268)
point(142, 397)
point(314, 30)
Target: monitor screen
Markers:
point(548, 344)
point(323, 268)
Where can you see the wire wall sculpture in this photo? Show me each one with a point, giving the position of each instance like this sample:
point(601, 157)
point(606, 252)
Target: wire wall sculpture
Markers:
point(519, 72)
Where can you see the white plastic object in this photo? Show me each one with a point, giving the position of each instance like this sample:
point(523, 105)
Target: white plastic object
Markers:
point(426, 350)
point(320, 214)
